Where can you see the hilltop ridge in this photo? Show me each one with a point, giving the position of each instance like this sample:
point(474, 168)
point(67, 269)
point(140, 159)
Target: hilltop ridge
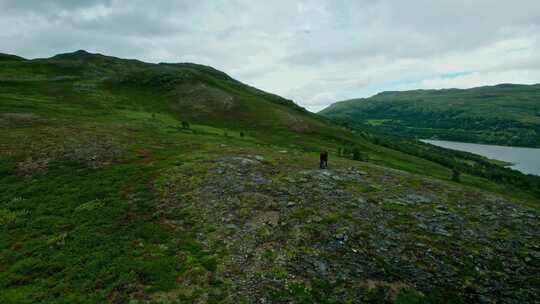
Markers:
point(9, 57)
point(505, 114)
point(178, 84)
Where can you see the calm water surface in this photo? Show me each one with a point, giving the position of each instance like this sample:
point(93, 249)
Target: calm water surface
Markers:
point(526, 160)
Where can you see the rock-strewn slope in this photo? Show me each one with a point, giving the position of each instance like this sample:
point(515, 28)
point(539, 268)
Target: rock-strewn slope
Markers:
point(350, 234)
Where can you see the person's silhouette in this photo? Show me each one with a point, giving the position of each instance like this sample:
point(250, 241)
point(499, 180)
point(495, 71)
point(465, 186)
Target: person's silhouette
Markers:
point(323, 160)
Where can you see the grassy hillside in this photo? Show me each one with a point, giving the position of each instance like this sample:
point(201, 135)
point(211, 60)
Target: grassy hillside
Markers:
point(105, 197)
point(505, 114)
point(81, 85)
point(196, 92)
point(8, 57)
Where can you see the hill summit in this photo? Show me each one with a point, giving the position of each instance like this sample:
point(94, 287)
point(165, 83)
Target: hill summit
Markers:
point(8, 57)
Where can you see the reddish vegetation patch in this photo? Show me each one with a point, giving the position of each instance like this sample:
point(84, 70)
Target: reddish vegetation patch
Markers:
point(30, 166)
point(145, 155)
point(394, 288)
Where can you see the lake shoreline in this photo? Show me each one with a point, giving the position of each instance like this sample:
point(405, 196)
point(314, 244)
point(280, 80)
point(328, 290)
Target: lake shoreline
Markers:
point(501, 163)
point(523, 159)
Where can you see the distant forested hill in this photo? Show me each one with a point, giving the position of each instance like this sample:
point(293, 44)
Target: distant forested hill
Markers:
point(506, 114)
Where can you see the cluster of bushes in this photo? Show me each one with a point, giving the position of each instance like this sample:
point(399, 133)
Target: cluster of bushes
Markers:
point(186, 126)
point(226, 134)
point(353, 153)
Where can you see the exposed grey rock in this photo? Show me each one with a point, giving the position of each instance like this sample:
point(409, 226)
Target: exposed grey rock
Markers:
point(314, 227)
point(419, 199)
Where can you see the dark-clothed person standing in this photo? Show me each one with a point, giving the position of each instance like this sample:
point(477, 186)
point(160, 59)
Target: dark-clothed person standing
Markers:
point(323, 160)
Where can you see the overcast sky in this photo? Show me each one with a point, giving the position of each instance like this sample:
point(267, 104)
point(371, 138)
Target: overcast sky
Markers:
point(314, 52)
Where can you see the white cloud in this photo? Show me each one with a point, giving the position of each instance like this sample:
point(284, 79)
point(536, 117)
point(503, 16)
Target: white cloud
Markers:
point(312, 51)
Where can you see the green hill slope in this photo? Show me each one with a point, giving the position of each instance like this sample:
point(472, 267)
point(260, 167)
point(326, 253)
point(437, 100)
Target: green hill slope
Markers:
point(8, 57)
point(106, 197)
point(505, 114)
point(193, 91)
point(83, 86)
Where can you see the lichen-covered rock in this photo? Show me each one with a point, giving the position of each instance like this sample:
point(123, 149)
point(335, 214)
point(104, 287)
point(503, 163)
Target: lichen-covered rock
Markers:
point(344, 227)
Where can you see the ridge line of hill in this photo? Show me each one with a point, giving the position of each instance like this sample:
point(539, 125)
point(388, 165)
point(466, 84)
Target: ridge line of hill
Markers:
point(504, 114)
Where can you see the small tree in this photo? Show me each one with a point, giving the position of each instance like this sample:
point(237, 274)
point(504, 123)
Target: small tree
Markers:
point(358, 155)
point(455, 175)
point(185, 125)
point(241, 134)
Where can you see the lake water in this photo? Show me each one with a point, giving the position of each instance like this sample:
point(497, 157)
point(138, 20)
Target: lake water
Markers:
point(526, 160)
